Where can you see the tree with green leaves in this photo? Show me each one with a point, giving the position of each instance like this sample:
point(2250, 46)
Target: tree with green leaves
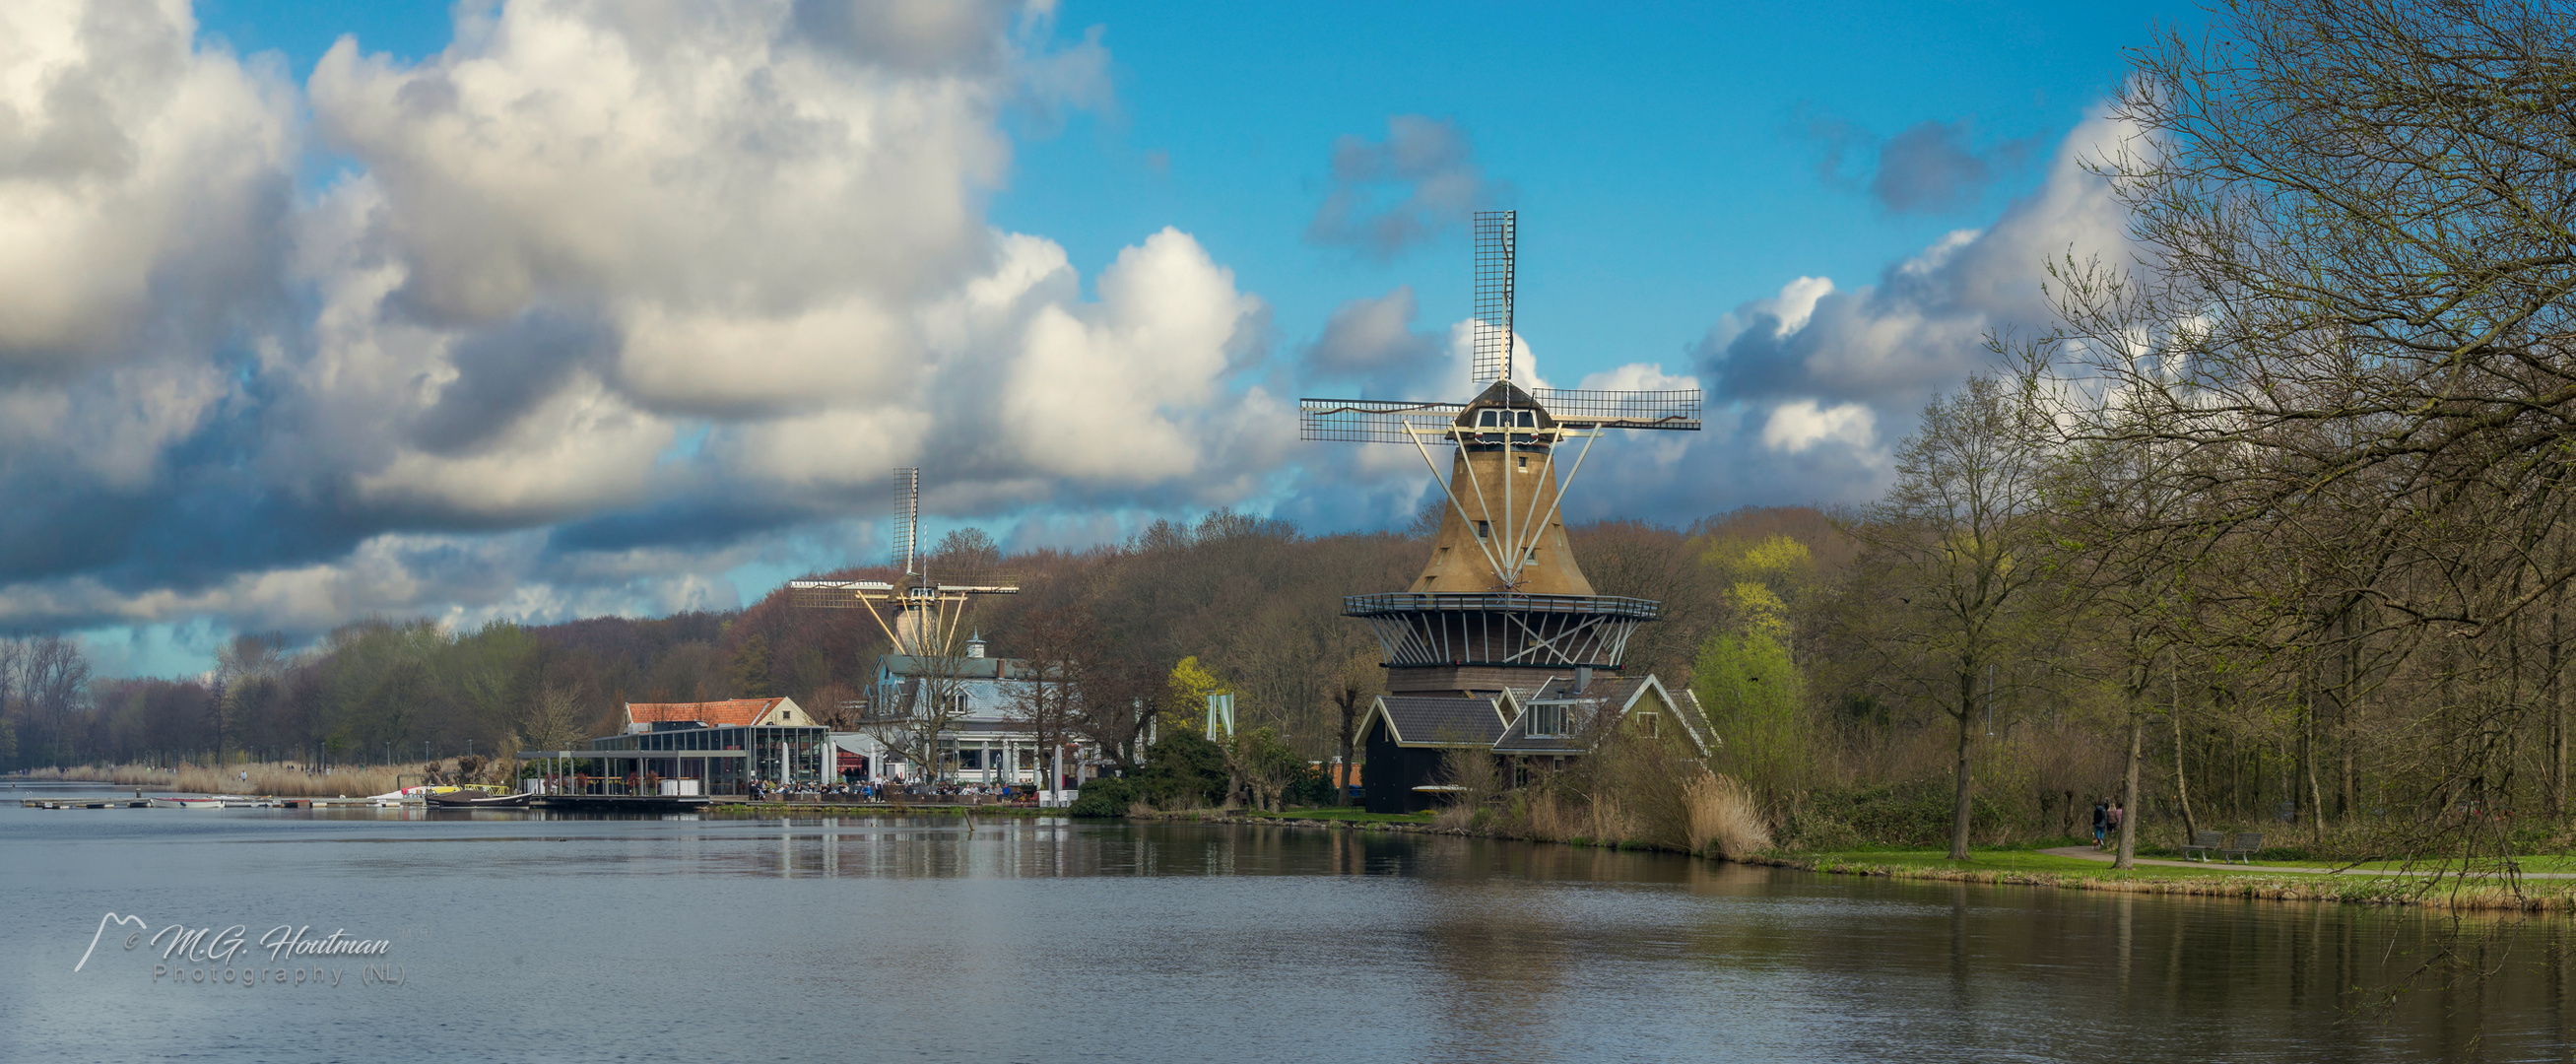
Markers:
point(1957, 543)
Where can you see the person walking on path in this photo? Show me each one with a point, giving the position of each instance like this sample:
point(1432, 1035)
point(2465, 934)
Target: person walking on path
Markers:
point(2101, 819)
point(2112, 826)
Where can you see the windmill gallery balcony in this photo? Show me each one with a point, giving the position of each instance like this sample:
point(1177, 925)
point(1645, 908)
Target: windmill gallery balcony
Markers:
point(1482, 631)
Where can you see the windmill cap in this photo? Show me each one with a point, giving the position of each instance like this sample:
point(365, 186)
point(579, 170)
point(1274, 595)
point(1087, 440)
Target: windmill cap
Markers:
point(1503, 394)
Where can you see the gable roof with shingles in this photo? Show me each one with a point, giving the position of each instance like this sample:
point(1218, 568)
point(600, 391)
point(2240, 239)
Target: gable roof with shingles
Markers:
point(1617, 695)
point(736, 712)
point(909, 666)
point(1439, 720)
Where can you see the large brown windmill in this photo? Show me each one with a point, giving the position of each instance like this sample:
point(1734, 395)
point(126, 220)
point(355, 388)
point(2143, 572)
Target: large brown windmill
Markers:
point(925, 612)
point(1502, 602)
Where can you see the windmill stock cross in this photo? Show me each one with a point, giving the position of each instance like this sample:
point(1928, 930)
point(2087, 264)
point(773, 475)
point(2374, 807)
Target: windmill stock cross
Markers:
point(927, 612)
point(1535, 420)
point(1502, 603)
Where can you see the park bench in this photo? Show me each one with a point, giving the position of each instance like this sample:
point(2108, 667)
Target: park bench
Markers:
point(2203, 843)
point(2247, 843)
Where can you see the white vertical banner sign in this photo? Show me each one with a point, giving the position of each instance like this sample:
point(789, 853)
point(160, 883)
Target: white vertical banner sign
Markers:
point(1220, 712)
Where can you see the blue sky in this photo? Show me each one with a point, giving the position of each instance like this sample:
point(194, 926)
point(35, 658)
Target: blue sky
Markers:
point(418, 348)
point(1669, 156)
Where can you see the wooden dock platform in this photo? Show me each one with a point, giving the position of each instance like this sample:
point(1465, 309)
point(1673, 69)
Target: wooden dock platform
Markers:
point(622, 803)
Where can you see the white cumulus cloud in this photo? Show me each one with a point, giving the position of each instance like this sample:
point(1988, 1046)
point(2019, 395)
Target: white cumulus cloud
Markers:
point(1796, 426)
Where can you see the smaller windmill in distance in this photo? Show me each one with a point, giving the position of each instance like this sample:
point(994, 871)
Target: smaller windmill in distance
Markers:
point(926, 612)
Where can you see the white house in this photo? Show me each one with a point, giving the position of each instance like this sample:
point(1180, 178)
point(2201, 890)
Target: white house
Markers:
point(982, 743)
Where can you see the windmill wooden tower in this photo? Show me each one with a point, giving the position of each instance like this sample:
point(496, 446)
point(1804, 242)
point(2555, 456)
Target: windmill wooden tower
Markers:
point(1502, 602)
point(926, 612)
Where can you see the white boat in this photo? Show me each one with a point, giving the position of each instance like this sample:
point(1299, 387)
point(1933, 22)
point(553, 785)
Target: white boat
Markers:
point(410, 795)
point(212, 801)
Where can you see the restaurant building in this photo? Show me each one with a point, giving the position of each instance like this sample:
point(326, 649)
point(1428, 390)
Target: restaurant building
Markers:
point(682, 749)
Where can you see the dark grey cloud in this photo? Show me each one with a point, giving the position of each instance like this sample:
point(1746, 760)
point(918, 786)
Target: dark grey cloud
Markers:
point(1393, 194)
point(1372, 342)
point(913, 36)
point(504, 373)
point(1932, 167)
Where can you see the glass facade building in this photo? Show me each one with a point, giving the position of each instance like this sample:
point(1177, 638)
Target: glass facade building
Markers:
point(775, 753)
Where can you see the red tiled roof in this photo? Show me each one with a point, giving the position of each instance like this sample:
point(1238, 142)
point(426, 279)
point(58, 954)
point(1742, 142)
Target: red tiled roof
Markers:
point(736, 712)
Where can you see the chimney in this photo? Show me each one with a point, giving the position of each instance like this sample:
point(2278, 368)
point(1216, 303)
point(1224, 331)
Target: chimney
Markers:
point(1582, 678)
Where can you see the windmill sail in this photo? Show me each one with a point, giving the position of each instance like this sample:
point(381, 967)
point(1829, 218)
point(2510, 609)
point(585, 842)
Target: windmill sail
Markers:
point(907, 518)
point(1497, 246)
point(1676, 410)
point(1401, 421)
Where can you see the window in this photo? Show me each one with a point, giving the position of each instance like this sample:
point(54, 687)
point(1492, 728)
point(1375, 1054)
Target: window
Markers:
point(1650, 725)
point(1484, 529)
point(1547, 719)
point(1486, 420)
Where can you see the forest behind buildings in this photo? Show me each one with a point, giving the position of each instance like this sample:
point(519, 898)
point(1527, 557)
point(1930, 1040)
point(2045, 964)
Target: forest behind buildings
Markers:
point(2266, 526)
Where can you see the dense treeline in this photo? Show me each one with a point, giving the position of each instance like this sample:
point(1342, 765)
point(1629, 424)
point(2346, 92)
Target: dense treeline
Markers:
point(2279, 508)
point(1252, 604)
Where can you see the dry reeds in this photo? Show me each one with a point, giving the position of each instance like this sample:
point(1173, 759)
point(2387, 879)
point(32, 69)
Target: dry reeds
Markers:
point(1726, 818)
point(1550, 820)
point(1456, 816)
point(1607, 821)
point(268, 779)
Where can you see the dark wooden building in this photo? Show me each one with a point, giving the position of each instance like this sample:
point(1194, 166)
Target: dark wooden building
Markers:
point(1409, 739)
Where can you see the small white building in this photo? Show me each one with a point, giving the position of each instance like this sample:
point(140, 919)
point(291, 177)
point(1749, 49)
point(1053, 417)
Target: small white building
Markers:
point(983, 743)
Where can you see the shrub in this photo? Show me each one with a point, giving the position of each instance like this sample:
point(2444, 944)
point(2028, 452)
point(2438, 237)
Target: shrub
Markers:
point(1309, 785)
point(1914, 813)
point(1181, 771)
point(1106, 796)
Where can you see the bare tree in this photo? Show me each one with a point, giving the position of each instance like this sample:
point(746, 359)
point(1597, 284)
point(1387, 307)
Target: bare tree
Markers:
point(56, 679)
point(2348, 339)
point(554, 720)
point(1956, 543)
point(1061, 656)
point(837, 706)
point(916, 716)
point(1357, 682)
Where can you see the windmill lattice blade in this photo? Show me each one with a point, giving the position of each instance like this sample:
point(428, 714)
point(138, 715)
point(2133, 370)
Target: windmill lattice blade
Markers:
point(1373, 420)
point(1676, 410)
point(907, 516)
point(836, 594)
point(1497, 243)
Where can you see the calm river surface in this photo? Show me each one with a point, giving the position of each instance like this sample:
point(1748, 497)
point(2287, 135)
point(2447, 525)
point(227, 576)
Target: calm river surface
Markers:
point(521, 938)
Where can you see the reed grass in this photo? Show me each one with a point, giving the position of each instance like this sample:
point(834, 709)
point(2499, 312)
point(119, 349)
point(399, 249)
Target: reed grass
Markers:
point(270, 779)
point(1726, 817)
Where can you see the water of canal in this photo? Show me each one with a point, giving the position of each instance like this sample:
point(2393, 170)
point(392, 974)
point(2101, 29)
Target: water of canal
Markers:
point(519, 936)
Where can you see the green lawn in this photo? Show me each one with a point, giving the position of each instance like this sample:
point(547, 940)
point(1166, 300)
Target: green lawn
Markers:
point(1351, 813)
point(2033, 861)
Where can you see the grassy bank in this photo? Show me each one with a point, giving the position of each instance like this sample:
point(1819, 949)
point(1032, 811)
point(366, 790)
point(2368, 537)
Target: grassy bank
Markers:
point(1344, 814)
point(2028, 866)
point(2031, 868)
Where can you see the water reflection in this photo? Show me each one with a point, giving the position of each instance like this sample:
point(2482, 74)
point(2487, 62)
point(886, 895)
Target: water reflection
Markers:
point(557, 936)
